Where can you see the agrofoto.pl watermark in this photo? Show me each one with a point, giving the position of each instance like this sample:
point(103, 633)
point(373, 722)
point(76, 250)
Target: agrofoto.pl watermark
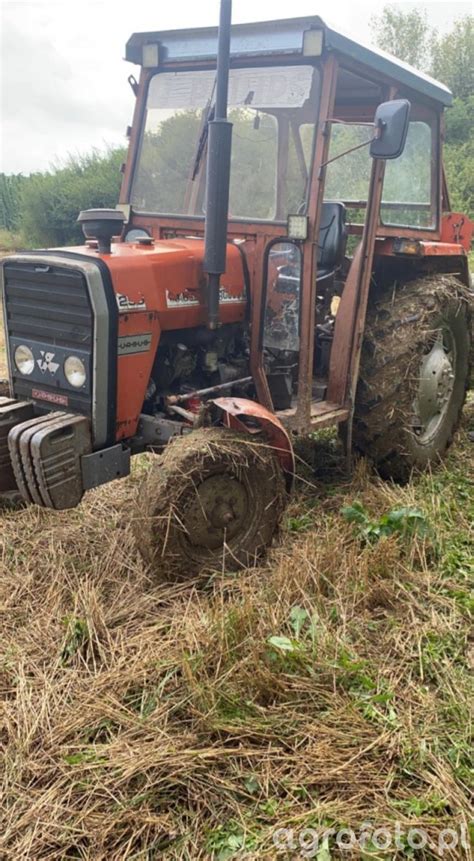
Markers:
point(307, 842)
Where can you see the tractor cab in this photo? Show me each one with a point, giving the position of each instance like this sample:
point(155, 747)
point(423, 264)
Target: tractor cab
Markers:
point(309, 208)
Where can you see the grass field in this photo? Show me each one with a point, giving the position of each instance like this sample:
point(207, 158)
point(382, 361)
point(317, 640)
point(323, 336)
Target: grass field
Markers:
point(327, 689)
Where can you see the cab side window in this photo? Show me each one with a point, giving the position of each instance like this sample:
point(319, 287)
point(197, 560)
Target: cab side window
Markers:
point(407, 190)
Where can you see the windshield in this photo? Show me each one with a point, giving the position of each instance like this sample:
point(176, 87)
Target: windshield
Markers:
point(273, 111)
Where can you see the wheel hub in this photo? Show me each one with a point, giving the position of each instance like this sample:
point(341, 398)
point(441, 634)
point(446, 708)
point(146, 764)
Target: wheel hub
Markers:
point(217, 512)
point(436, 383)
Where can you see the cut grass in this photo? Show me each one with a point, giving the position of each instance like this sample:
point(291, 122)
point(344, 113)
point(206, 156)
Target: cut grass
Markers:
point(328, 688)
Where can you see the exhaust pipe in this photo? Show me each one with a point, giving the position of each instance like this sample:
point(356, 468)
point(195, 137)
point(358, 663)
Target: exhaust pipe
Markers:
point(218, 172)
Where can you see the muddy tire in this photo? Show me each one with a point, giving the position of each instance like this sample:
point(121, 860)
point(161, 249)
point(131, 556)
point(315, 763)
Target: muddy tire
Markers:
point(414, 374)
point(212, 500)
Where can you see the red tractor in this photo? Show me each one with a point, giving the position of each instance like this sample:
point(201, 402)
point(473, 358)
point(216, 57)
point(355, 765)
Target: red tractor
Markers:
point(283, 258)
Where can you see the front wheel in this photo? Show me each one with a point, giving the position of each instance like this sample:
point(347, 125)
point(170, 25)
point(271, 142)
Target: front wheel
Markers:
point(414, 374)
point(212, 500)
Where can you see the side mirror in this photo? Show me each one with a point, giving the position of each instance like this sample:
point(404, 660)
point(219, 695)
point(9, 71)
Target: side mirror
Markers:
point(391, 127)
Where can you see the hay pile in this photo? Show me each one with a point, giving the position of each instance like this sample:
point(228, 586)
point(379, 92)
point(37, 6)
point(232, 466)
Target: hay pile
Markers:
point(328, 688)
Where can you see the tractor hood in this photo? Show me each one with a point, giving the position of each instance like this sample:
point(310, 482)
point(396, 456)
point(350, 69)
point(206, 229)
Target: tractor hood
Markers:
point(167, 277)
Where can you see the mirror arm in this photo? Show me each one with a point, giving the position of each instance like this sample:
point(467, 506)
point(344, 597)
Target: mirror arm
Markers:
point(347, 151)
point(378, 130)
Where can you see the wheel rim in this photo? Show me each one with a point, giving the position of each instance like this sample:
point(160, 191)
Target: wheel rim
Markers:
point(219, 511)
point(435, 388)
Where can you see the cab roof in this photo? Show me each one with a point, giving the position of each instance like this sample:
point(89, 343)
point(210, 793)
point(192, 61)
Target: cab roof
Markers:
point(283, 37)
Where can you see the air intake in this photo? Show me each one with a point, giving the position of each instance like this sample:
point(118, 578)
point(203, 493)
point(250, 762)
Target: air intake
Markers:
point(101, 224)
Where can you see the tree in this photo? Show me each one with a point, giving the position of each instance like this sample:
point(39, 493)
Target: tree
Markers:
point(453, 58)
point(449, 58)
point(460, 120)
point(406, 35)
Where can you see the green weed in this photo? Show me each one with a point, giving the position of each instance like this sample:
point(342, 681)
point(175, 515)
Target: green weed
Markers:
point(77, 635)
point(300, 523)
point(399, 521)
point(229, 841)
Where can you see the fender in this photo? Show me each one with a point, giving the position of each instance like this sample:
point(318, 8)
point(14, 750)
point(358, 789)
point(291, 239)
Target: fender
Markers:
point(272, 427)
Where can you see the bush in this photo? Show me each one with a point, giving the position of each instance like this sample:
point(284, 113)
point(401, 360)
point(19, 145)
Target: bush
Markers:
point(51, 202)
point(9, 241)
point(10, 196)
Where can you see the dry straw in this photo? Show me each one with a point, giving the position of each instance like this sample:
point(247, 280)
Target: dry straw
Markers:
point(140, 720)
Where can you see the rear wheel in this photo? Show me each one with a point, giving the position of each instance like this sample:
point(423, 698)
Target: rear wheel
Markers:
point(414, 375)
point(213, 499)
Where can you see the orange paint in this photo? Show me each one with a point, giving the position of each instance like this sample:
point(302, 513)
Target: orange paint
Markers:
point(138, 338)
point(423, 248)
point(457, 228)
point(159, 288)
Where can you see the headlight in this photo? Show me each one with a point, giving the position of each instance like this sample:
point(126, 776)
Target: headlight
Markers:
point(24, 360)
point(75, 371)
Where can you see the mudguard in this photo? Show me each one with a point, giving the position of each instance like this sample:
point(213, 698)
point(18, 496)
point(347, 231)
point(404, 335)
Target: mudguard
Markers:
point(272, 427)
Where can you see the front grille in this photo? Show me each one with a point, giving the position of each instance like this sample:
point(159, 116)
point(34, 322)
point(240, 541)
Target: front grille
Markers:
point(48, 308)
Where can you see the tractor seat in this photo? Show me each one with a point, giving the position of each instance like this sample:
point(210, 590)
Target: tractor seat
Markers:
point(332, 238)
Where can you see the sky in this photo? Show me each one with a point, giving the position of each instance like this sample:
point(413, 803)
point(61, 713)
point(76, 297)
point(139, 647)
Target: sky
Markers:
point(63, 80)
